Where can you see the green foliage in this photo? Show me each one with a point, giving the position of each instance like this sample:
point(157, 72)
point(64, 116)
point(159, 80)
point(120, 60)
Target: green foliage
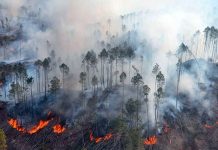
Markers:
point(134, 135)
point(122, 77)
point(29, 80)
point(3, 143)
point(55, 85)
point(90, 58)
point(146, 90)
point(160, 79)
point(94, 80)
point(156, 69)
point(82, 77)
point(38, 63)
point(131, 106)
point(46, 63)
point(64, 68)
point(118, 125)
point(137, 79)
point(103, 54)
point(16, 90)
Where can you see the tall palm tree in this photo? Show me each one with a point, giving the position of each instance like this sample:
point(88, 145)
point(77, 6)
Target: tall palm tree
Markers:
point(91, 61)
point(94, 83)
point(122, 80)
point(30, 81)
point(137, 81)
point(111, 60)
point(115, 53)
point(130, 55)
point(82, 80)
point(38, 65)
point(103, 56)
point(46, 65)
point(155, 71)
point(65, 70)
point(158, 94)
point(146, 91)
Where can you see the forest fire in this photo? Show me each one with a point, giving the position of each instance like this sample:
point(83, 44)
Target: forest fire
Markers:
point(58, 129)
point(99, 139)
point(39, 126)
point(150, 140)
point(15, 124)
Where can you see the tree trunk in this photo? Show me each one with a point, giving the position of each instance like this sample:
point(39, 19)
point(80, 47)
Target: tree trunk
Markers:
point(177, 87)
point(129, 70)
point(137, 108)
point(122, 102)
point(147, 115)
point(116, 71)
point(45, 71)
point(63, 78)
point(111, 75)
point(103, 74)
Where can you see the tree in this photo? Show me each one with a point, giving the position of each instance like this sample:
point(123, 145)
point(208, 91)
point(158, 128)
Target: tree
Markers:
point(111, 60)
point(16, 92)
point(3, 143)
point(155, 70)
point(146, 91)
point(158, 94)
point(3, 84)
point(103, 56)
point(55, 85)
point(132, 109)
point(38, 65)
point(21, 76)
point(46, 65)
point(91, 61)
point(122, 80)
point(160, 79)
point(115, 52)
point(122, 55)
point(94, 82)
point(130, 55)
point(65, 70)
point(30, 84)
point(137, 81)
point(82, 80)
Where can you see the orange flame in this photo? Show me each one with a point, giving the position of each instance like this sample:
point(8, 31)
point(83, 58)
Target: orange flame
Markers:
point(15, 124)
point(38, 127)
point(99, 139)
point(107, 136)
point(150, 140)
point(58, 129)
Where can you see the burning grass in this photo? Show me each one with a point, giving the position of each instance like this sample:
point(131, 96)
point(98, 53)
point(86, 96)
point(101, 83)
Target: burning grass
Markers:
point(99, 139)
point(150, 140)
point(58, 129)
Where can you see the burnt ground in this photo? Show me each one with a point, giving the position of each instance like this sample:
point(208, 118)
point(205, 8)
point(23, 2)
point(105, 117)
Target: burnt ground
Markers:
point(186, 132)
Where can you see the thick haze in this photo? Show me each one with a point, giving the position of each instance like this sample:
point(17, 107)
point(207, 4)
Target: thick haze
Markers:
point(165, 22)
